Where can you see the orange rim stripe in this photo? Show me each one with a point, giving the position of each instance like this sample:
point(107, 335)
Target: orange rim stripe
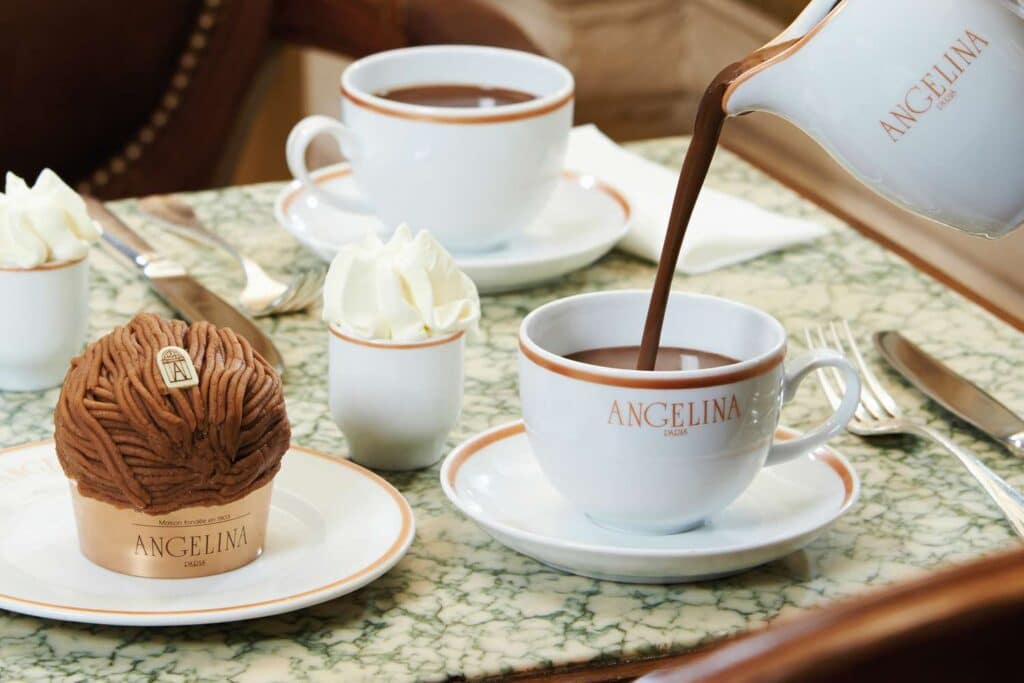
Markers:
point(496, 117)
point(46, 266)
point(840, 469)
point(617, 196)
point(397, 347)
point(481, 443)
point(822, 455)
point(728, 377)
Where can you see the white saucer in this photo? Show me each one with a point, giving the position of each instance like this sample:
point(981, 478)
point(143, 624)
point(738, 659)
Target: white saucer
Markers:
point(334, 527)
point(584, 221)
point(494, 479)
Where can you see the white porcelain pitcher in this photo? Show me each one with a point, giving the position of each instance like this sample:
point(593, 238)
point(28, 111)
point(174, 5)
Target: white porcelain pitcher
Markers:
point(919, 99)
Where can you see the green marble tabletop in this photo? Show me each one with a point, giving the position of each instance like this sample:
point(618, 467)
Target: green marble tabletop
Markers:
point(460, 604)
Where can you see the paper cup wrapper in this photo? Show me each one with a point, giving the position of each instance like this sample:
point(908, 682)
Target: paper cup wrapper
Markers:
point(186, 543)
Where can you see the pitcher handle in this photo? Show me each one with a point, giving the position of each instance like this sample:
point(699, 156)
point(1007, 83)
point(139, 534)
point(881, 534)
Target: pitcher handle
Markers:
point(781, 451)
point(295, 153)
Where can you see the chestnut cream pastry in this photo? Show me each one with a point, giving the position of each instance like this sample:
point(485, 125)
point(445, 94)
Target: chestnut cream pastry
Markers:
point(140, 426)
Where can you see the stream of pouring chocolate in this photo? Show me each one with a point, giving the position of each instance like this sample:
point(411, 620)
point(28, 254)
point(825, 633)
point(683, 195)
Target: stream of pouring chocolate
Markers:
point(706, 130)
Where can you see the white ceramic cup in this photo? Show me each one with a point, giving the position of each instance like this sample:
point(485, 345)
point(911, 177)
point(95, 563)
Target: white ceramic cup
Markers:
point(395, 403)
point(660, 452)
point(44, 319)
point(471, 176)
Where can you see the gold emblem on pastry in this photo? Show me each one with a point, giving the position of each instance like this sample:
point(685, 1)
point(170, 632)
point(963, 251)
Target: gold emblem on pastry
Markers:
point(176, 368)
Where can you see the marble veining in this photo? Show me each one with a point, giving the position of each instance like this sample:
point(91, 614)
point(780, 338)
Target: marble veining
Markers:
point(462, 605)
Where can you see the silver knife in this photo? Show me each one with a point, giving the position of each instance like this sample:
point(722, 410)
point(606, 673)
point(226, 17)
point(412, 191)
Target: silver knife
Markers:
point(956, 394)
point(176, 287)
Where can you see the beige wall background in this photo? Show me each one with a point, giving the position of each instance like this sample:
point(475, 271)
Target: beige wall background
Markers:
point(784, 9)
point(302, 82)
point(592, 36)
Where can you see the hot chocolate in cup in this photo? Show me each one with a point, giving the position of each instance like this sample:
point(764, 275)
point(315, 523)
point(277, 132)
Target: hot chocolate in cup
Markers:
point(660, 452)
point(473, 176)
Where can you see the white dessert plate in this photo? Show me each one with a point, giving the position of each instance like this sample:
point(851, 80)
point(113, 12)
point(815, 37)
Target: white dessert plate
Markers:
point(583, 221)
point(334, 527)
point(494, 479)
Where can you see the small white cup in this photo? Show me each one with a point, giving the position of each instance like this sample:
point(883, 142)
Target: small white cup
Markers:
point(396, 403)
point(471, 176)
point(44, 319)
point(660, 452)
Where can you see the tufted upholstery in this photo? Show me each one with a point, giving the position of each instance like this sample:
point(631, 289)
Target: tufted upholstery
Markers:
point(126, 98)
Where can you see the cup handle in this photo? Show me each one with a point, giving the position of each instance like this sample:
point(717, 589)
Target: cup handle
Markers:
point(781, 451)
point(295, 153)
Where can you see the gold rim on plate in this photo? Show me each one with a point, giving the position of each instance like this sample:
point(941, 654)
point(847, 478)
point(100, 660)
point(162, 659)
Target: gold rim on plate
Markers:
point(481, 441)
point(404, 537)
point(322, 176)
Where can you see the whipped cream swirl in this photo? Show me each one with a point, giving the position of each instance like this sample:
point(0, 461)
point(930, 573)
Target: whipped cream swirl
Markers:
point(45, 223)
point(405, 290)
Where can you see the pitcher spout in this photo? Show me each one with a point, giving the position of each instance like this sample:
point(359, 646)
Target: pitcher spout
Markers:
point(770, 78)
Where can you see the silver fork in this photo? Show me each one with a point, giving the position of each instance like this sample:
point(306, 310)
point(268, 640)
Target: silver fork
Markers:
point(879, 414)
point(262, 294)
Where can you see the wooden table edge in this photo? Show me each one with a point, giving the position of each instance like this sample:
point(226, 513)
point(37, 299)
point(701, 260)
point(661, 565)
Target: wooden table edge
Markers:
point(601, 671)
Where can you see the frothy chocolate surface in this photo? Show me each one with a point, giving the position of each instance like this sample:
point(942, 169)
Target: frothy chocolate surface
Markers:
point(670, 358)
point(456, 95)
point(129, 440)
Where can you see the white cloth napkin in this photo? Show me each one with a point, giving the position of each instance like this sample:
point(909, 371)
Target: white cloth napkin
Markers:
point(723, 230)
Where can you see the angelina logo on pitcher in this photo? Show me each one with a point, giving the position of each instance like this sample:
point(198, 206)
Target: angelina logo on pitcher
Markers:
point(935, 88)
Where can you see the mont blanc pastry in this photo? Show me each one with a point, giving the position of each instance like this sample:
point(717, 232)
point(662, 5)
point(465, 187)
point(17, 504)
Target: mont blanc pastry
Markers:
point(171, 436)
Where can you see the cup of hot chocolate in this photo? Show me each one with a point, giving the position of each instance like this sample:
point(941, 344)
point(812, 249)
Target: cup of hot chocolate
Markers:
point(463, 141)
point(660, 451)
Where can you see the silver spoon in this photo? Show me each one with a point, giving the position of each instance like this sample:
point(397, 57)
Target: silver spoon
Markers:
point(262, 294)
